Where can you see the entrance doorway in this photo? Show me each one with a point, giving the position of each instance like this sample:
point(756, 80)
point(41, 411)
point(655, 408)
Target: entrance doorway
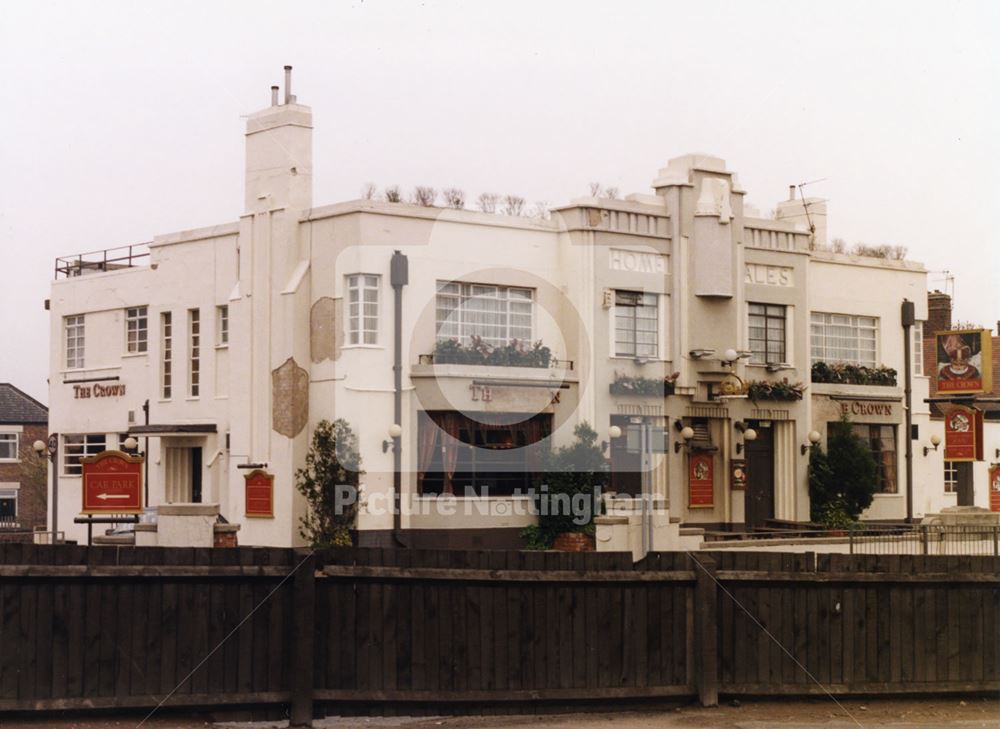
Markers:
point(963, 483)
point(183, 475)
point(760, 477)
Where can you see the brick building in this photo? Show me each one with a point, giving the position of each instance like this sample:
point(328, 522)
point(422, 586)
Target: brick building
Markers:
point(962, 483)
point(23, 420)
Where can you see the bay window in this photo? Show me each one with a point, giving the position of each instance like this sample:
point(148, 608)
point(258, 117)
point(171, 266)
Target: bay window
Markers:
point(844, 338)
point(497, 314)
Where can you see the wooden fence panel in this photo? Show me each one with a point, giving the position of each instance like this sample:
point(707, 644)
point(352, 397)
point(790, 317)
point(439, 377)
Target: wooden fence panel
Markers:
point(123, 627)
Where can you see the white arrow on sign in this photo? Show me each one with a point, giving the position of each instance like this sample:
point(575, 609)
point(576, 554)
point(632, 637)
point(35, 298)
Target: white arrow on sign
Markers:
point(105, 497)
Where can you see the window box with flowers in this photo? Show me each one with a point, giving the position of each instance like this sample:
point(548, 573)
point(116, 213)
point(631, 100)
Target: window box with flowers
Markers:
point(841, 373)
point(782, 391)
point(516, 353)
point(643, 386)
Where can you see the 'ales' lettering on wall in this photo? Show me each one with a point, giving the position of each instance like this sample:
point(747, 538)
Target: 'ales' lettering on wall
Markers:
point(82, 392)
point(758, 273)
point(622, 260)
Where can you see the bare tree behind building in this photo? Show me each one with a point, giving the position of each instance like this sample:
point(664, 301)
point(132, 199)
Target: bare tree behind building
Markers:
point(487, 202)
point(368, 191)
point(454, 198)
point(513, 204)
point(423, 195)
point(392, 194)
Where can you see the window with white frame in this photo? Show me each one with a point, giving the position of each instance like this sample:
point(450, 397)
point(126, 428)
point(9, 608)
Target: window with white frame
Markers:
point(80, 446)
point(8, 506)
point(951, 477)
point(766, 327)
point(362, 308)
point(8, 446)
point(73, 330)
point(844, 338)
point(167, 355)
point(222, 325)
point(636, 324)
point(917, 356)
point(136, 329)
point(497, 314)
point(194, 351)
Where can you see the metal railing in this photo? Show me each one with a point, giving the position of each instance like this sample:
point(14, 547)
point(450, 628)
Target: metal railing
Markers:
point(946, 539)
point(109, 259)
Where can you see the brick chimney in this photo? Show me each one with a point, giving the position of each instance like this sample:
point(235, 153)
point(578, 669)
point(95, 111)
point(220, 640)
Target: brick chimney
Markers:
point(938, 312)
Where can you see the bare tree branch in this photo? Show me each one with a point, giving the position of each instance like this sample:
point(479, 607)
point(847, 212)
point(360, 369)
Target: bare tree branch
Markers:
point(392, 194)
point(368, 191)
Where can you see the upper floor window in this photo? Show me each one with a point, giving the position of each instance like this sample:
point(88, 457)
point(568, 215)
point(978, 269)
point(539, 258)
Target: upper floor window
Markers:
point(136, 329)
point(76, 447)
point(636, 324)
point(194, 344)
point(497, 314)
point(73, 329)
point(767, 333)
point(167, 354)
point(917, 355)
point(222, 325)
point(843, 338)
point(362, 309)
point(8, 446)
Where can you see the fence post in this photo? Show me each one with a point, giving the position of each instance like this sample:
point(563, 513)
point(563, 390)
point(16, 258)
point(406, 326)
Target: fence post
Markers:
point(706, 612)
point(996, 541)
point(303, 630)
point(925, 538)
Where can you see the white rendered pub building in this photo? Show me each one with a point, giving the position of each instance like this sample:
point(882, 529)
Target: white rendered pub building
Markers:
point(676, 323)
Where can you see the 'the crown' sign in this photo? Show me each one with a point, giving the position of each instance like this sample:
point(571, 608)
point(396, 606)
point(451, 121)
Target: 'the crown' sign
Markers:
point(112, 483)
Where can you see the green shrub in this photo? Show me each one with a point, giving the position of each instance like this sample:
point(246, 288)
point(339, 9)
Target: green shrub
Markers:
point(842, 481)
point(332, 461)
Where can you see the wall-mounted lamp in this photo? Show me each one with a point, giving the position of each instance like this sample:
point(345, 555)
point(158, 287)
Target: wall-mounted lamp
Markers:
point(394, 432)
point(613, 432)
point(730, 356)
point(935, 442)
point(687, 433)
point(749, 434)
point(814, 437)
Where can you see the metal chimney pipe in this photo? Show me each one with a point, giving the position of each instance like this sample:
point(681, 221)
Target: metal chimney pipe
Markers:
point(288, 84)
point(274, 96)
point(791, 188)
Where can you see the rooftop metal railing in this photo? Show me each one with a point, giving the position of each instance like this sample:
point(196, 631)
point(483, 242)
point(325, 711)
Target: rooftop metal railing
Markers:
point(109, 259)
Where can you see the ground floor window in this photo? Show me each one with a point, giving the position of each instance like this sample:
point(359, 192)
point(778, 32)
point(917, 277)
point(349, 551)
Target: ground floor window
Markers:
point(881, 439)
point(76, 447)
point(950, 477)
point(626, 452)
point(8, 505)
point(495, 454)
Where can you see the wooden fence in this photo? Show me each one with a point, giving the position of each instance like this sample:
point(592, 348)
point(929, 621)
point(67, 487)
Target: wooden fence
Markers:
point(111, 627)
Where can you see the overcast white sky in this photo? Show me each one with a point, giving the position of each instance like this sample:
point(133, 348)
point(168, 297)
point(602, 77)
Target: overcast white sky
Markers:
point(121, 121)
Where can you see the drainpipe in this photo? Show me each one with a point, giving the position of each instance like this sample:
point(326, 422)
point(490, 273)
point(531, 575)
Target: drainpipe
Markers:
point(908, 316)
point(399, 277)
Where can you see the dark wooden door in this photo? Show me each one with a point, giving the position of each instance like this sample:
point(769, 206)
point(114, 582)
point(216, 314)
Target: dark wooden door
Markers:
point(966, 495)
point(760, 479)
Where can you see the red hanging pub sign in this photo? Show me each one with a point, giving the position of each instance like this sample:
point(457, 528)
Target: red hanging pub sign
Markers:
point(963, 434)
